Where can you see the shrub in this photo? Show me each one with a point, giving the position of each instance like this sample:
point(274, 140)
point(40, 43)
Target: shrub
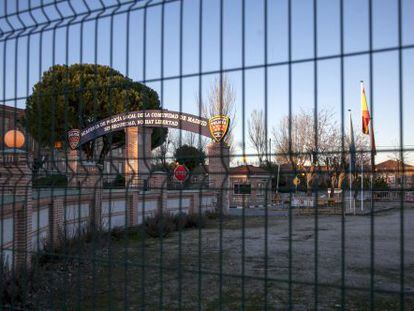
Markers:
point(52, 251)
point(195, 221)
point(118, 182)
point(16, 287)
point(180, 221)
point(57, 181)
point(160, 225)
point(186, 221)
point(118, 233)
point(211, 215)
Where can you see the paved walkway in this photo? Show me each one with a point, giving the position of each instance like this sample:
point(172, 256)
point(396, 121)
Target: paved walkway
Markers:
point(283, 212)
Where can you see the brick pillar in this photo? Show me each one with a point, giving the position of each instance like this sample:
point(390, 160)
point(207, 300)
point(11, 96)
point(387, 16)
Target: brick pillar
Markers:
point(131, 157)
point(218, 168)
point(22, 236)
point(163, 203)
point(138, 156)
point(158, 182)
point(17, 181)
point(56, 219)
point(195, 204)
point(72, 166)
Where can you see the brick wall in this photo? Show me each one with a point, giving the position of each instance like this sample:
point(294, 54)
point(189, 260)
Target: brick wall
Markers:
point(66, 211)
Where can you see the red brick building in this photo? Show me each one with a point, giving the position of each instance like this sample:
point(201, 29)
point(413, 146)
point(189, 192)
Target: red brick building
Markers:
point(249, 186)
point(9, 120)
point(393, 171)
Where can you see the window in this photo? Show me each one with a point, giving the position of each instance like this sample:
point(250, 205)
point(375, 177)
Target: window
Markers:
point(242, 189)
point(260, 188)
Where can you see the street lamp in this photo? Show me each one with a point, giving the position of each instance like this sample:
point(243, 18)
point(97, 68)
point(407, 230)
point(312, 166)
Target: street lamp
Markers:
point(14, 139)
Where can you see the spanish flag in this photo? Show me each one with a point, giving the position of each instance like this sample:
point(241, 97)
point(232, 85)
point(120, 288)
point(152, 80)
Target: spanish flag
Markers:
point(367, 128)
point(366, 117)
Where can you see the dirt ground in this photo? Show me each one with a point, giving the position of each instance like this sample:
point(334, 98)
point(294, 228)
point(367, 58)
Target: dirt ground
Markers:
point(233, 263)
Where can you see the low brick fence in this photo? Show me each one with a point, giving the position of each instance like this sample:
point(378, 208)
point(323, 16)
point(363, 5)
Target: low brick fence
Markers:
point(31, 217)
point(71, 212)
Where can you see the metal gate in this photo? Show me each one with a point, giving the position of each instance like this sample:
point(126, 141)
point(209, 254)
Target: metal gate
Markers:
point(301, 198)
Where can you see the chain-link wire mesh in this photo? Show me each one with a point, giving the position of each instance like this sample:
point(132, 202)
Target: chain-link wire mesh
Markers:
point(206, 154)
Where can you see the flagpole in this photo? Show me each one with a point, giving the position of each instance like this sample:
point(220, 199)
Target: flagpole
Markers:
point(362, 183)
point(362, 165)
point(350, 167)
point(367, 129)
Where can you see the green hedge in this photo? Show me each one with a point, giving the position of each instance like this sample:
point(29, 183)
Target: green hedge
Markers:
point(57, 181)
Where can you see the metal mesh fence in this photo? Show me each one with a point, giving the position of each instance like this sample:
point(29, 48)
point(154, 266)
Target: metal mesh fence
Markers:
point(206, 154)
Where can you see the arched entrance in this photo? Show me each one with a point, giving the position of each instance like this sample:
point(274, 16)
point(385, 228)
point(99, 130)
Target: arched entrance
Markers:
point(138, 129)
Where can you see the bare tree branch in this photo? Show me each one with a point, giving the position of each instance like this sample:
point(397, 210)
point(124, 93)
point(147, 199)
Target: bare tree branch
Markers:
point(221, 100)
point(257, 134)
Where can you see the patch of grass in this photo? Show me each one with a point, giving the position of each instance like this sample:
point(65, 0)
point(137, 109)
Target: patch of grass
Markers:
point(231, 300)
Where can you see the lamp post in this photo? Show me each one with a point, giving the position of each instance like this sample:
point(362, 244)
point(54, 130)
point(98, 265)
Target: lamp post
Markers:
point(14, 139)
point(278, 175)
point(16, 180)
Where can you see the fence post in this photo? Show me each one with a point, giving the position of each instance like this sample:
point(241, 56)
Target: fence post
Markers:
point(16, 172)
point(218, 170)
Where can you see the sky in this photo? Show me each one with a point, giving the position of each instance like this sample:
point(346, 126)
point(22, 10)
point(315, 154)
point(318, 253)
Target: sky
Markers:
point(178, 80)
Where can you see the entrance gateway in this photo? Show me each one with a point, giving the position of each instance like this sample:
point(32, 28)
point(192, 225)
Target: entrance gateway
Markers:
point(138, 129)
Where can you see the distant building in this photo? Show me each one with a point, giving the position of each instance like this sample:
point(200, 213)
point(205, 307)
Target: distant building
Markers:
point(53, 161)
point(10, 118)
point(250, 186)
point(395, 172)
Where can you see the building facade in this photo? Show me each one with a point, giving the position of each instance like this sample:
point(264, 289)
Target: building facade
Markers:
point(250, 186)
point(396, 173)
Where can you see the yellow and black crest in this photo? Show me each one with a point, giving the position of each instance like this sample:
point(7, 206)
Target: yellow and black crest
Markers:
point(74, 138)
point(219, 126)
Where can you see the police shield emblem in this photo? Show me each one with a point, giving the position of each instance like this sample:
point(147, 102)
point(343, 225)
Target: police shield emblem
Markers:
point(73, 138)
point(219, 126)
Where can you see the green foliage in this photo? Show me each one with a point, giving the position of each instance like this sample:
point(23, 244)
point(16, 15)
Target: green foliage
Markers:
point(55, 181)
point(195, 221)
point(188, 221)
point(380, 183)
point(76, 96)
point(118, 182)
point(190, 156)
